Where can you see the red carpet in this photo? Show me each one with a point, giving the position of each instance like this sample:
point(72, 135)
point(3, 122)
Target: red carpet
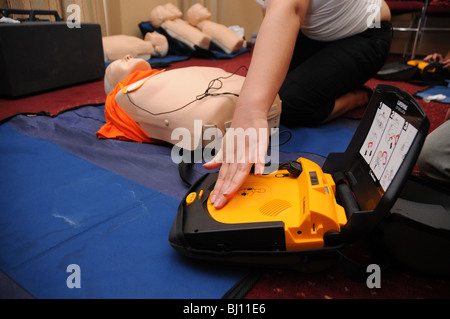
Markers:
point(395, 283)
point(55, 102)
point(334, 285)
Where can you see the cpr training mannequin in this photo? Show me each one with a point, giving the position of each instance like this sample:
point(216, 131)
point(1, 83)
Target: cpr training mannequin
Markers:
point(197, 15)
point(168, 17)
point(117, 46)
point(147, 104)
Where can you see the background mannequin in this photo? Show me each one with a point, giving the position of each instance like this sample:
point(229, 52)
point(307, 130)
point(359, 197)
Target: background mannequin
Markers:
point(197, 15)
point(117, 46)
point(160, 43)
point(168, 17)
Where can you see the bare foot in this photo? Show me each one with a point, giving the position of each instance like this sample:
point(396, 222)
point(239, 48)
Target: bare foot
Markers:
point(349, 101)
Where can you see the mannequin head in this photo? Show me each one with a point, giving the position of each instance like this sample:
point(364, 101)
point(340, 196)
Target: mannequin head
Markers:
point(160, 14)
point(159, 42)
point(197, 13)
point(117, 46)
point(176, 13)
point(121, 68)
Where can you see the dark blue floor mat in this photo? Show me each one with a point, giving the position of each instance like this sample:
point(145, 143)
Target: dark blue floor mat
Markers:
point(58, 209)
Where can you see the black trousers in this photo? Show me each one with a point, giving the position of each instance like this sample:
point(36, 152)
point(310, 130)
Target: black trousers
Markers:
point(320, 72)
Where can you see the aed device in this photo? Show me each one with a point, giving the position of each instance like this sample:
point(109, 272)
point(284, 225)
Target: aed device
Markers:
point(300, 215)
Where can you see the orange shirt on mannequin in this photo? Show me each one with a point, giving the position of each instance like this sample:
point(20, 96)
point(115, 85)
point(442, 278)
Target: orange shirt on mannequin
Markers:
point(119, 125)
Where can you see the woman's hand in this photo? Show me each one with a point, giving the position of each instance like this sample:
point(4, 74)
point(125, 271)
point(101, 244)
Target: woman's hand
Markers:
point(437, 57)
point(244, 145)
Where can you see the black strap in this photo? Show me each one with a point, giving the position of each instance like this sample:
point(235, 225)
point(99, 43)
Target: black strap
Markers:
point(358, 270)
point(186, 165)
point(243, 286)
point(183, 169)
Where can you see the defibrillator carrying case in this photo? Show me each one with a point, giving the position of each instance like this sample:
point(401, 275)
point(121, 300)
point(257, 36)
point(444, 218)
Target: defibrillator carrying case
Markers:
point(416, 232)
point(302, 215)
point(38, 56)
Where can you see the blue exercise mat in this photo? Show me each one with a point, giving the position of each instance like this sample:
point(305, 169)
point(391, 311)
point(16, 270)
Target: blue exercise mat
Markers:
point(147, 164)
point(58, 209)
point(435, 90)
point(321, 140)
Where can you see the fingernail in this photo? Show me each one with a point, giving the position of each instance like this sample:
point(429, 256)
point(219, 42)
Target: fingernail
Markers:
point(213, 198)
point(218, 203)
point(228, 192)
point(259, 171)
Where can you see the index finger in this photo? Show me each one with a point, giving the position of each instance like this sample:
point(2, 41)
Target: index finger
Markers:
point(231, 177)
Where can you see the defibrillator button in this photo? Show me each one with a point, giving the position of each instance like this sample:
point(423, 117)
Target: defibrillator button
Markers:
point(190, 198)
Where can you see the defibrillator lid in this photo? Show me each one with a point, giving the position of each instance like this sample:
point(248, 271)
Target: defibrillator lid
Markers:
point(379, 158)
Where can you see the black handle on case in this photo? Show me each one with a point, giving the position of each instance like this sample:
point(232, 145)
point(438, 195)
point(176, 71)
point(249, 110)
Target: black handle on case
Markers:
point(31, 13)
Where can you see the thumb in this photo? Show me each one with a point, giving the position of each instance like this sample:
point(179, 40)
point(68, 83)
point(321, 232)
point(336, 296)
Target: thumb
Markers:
point(212, 165)
point(215, 162)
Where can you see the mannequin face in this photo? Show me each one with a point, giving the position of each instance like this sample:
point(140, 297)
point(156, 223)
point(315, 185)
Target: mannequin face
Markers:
point(197, 13)
point(160, 14)
point(120, 69)
point(176, 13)
point(158, 41)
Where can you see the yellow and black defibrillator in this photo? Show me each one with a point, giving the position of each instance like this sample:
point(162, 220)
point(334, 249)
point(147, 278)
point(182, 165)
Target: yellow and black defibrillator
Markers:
point(414, 71)
point(301, 214)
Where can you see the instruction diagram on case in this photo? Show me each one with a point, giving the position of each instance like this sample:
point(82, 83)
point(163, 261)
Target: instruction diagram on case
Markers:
point(386, 144)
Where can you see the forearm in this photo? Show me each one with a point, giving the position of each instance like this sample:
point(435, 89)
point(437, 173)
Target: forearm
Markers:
point(271, 57)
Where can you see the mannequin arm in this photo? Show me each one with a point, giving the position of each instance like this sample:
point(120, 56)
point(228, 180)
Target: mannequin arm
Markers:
point(225, 38)
point(184, 32)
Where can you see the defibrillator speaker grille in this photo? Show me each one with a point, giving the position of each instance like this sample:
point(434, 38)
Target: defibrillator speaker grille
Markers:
point(274, 207)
